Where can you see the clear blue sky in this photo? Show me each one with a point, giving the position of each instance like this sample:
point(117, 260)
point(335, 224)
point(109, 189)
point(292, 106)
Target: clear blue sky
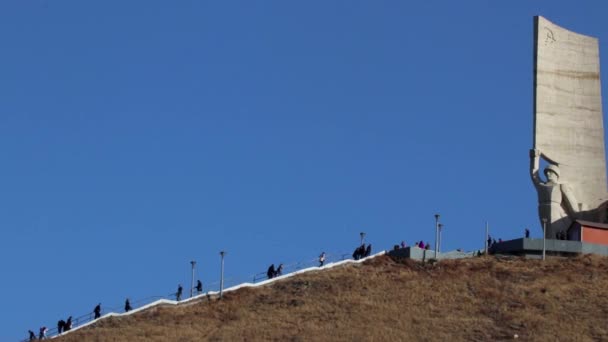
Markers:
point(136, 136)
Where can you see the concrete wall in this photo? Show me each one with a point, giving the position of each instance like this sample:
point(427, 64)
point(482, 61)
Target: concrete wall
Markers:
point(568, 119)
point(589, 248)
point(530, 248)
point(595, 235)
point(535, 247)
point(416, 253)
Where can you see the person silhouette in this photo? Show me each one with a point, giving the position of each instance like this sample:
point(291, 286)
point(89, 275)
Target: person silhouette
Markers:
point(178, 295)
point(68, 324)
point(60, 326)
point(97, 311)
point(271, 272)
point(42, 335)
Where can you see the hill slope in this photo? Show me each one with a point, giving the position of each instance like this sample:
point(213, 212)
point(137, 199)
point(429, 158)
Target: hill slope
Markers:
point(479, 299)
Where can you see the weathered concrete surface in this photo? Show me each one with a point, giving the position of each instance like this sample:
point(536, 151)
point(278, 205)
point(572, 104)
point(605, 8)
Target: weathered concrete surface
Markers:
point(427, 254)
point(568, 122)
point(530, 247)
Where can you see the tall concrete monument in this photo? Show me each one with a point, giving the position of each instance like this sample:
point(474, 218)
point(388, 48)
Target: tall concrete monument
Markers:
point(568, 128)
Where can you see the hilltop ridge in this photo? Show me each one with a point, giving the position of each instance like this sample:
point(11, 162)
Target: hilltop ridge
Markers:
point(481, 299)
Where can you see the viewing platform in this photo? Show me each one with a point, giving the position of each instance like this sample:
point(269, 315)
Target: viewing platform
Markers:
point(526, 247)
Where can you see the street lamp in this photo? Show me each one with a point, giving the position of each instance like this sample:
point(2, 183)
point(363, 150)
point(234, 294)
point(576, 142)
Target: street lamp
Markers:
point(362, 234)
point(193, 263)
point(544, 237)
point(436, 235)
point(440, 231)
point(487, 235)
point(222, 253)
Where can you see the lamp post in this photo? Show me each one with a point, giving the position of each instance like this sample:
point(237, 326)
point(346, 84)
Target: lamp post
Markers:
point(544, 237)
point(193, 263)
point(440, 231)
point(436, 235)
point(362, 235)
point(222, 253)
point(487, 234)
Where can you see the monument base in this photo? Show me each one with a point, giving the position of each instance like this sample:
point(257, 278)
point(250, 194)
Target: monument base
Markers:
point(589, 232)
point(533, 248)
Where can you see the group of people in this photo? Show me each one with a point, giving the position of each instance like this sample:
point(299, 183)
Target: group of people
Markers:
point(399, 246)
point(180, 290)
point(41, 335)
point(492, 241)
point(362, 251)
point(62, 326)
point(272, 272)
point(422, 245)
point(419, 244)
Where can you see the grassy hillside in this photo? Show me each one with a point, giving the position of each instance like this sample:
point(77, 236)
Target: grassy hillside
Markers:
point(481, 299)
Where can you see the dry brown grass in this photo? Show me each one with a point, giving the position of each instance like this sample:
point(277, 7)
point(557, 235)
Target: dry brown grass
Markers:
point(481, 299)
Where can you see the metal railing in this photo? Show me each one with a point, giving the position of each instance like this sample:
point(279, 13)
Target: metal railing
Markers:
point(290, 268)
point(211, 287)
